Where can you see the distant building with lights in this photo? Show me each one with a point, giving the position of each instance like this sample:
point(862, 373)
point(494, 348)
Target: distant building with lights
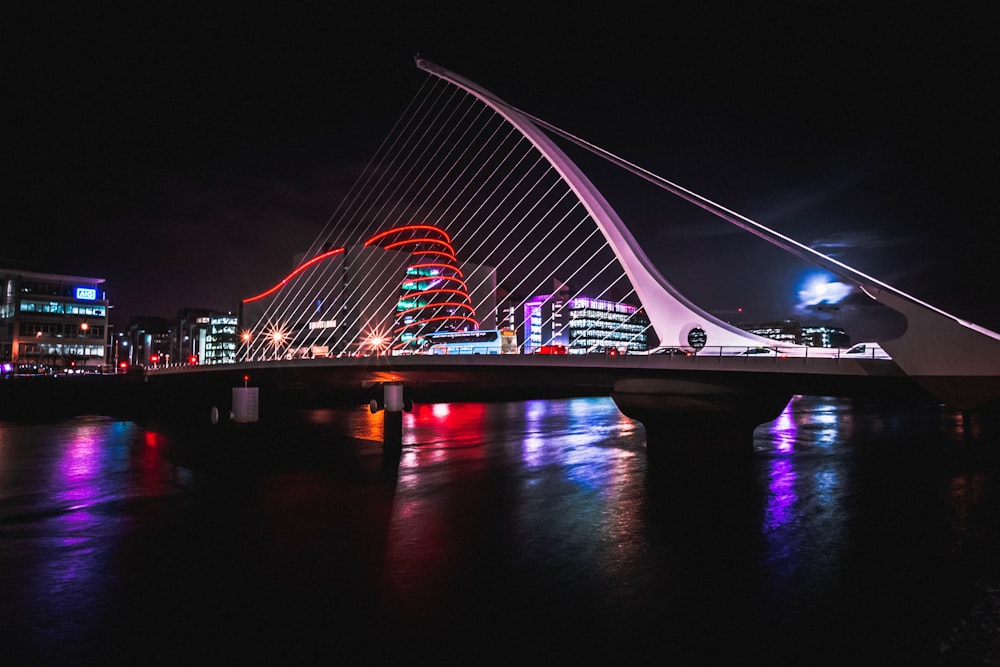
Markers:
point(582, 324)
point(791, 332)
point(825, 337)
point(783, 331)
point(195, 336)
point(53, 321)
point(205, 337)
point(145, 341)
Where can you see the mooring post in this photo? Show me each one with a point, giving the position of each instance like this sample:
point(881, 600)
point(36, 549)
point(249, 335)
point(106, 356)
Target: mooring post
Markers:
point(392, 418)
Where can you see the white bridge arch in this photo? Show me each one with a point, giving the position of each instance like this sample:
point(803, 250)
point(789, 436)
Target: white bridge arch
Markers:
point(671, 315)
point(935, 349)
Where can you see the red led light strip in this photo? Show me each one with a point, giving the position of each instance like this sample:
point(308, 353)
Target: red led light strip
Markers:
point(299, 269)
point(439, 246)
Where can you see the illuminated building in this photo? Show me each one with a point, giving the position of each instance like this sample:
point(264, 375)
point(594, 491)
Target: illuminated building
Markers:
point(204, 337)
point(785, 331)
point(434, 295)
point(793, 333)
point(369, 298)
point(196, 336)
point(54, 321)
point(825, 337)
point(582, 324)
point(508, 312)
point(146, 341)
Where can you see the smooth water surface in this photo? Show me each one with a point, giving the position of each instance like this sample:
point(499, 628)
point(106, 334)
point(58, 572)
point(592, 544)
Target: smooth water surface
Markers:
point(520, 532)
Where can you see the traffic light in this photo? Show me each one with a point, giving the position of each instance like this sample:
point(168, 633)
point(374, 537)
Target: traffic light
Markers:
point(193, 359)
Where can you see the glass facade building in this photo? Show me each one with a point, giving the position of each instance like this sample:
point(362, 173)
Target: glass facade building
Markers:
point(583, 325)
point(52, 322)
point(221, 340)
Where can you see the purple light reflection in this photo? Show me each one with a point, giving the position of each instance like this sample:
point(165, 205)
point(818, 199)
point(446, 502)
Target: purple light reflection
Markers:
point(88, 466)
point(573, 435)
point(781, 496)
point(783, 430)
point(804, 514)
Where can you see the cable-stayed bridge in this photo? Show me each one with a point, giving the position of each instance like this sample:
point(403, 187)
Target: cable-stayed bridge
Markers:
point(471, 218)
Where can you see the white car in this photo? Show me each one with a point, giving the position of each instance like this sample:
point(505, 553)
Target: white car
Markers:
point(867, 351)
point(760, 352)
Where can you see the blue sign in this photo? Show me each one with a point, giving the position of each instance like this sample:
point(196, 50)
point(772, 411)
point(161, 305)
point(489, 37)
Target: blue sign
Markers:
point(86, 293)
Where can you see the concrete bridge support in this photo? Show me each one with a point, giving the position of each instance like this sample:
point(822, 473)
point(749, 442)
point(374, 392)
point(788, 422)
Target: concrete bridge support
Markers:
point(393, 404)
point(698, 419)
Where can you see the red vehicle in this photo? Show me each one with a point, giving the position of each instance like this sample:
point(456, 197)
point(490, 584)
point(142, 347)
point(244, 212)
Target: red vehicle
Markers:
point(552, 349)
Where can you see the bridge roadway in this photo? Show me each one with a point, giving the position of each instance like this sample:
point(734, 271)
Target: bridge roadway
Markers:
point(437, 378)
point(703, 397)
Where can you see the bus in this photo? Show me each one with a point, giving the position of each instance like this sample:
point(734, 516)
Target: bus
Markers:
point(484, 341)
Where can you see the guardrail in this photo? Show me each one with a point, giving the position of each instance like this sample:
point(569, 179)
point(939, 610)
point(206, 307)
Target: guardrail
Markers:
point(776, 352)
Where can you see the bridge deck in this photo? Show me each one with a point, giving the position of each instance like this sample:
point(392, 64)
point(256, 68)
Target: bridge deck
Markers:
point(475, 377)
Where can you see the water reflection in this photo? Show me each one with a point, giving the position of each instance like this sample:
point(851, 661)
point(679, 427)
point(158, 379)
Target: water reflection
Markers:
point(504, 491)
point(70, 524)
point(519, 531)
point(804, 517)
point(781, 497)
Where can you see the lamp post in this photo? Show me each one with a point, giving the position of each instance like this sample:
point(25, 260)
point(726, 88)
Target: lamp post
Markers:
point(276, 338)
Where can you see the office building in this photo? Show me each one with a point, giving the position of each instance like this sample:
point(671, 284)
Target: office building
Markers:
point(582, 324)
point(51, 321)
point(791, 332)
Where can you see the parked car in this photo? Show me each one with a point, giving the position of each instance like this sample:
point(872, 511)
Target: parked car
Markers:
point(760, 352)
point(867, 351)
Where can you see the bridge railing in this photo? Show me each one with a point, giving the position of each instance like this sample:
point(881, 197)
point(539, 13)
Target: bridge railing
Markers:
point(775, 352)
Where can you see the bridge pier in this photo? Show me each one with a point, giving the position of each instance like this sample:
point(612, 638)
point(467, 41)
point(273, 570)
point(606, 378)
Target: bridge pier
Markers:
point(392, 405)
point(688, 418)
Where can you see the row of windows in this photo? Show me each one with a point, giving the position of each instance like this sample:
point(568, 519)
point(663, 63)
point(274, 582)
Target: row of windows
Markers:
point(583, 303)
point(605, 317)
point(601, 325)
point(590, 341)
point(37, 287)
point(60, 349)
point(59, 329)
point(56, 308)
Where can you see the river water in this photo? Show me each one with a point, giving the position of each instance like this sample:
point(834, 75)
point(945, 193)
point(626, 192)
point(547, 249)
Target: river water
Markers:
point(524, 532)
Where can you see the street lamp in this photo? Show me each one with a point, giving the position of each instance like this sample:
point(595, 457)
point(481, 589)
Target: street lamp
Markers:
point(245, 337)
point(277, 336)
point(377, 342)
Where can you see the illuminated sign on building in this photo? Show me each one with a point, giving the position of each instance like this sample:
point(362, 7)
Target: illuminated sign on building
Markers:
point(85, 293)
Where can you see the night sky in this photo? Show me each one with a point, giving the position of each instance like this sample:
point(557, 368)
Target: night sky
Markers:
point(186, 154)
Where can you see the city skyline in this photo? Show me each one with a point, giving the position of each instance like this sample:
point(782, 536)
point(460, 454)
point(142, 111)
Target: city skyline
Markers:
point(187, 160)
